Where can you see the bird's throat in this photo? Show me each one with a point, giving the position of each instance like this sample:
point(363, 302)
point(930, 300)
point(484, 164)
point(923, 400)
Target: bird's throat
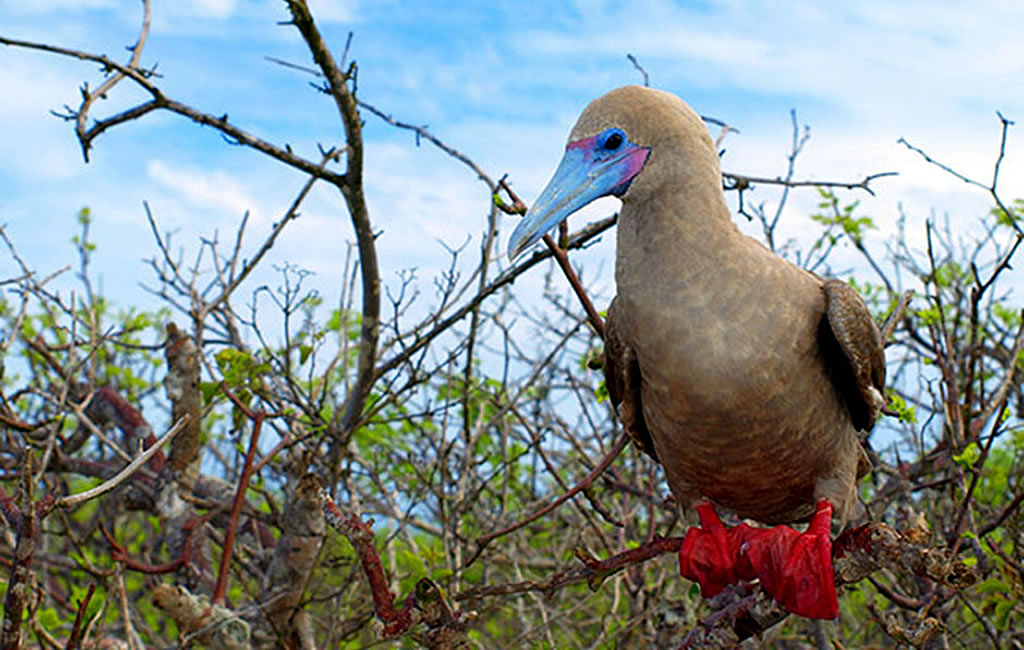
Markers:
point(676, 251)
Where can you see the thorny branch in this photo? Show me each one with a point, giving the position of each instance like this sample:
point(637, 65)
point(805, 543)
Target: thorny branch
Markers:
point(161, 102)
point(742, 182)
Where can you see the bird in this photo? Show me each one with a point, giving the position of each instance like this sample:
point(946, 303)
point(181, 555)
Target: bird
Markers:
point(749, 379)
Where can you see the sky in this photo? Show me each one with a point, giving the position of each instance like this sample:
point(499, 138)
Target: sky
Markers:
point(502, 82)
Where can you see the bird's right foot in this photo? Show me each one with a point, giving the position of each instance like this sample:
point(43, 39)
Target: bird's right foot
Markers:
point(708, 555)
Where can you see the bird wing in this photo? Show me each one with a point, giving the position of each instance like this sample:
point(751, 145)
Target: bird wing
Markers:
point(854, 353)
point(622, 377)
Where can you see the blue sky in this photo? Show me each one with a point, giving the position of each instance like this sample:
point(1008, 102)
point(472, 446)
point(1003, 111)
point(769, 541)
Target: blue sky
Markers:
point(502, 82)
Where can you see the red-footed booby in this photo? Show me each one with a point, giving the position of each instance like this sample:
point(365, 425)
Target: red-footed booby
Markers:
point(745, 376)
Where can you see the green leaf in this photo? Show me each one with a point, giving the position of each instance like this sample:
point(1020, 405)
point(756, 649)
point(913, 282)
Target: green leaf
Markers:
point(48, 619)
point(1009, 317)
point(929, 315)
point(969, 456)
point(209, 390)
point(1002, 617)
point(905, 412)
point(993, 585)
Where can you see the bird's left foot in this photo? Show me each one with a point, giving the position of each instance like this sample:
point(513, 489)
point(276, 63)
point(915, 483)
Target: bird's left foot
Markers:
point(794, 568)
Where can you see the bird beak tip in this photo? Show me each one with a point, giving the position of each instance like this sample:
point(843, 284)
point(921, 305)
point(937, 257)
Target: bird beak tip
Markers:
point(518, 249)
point(522, 237)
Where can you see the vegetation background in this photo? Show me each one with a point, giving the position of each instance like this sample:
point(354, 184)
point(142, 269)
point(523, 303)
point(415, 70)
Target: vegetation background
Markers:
point(463, 412)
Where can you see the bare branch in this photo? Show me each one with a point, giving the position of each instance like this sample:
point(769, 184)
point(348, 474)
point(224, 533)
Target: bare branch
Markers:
point(352, 190)
point(72, 500)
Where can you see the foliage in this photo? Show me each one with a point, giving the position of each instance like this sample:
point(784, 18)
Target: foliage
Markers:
point(449, 423)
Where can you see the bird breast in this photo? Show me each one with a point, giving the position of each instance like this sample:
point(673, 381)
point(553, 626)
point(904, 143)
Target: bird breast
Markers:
point(734, 388)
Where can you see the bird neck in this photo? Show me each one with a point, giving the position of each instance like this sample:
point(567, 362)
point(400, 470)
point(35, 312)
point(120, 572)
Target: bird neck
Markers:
point(675, 241)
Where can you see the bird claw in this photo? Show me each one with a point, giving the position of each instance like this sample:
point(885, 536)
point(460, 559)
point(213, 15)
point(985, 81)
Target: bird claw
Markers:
point(795, 569)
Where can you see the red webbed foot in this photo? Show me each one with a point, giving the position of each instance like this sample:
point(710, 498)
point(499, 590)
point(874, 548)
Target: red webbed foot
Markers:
point(794, 568)
point(708, 555)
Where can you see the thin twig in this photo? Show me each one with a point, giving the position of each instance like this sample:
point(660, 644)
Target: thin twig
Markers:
point(72, 500)
point(993, 187)
point(352, 191)
point(640, 69)
point(484, 540)
point(742, 181)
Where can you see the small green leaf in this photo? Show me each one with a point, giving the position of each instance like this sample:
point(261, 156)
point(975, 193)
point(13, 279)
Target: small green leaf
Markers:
point(905, 412)
point(1003, 609)
point(48, 619)
point(208, 389)
point(969, 456)
point(993, 585)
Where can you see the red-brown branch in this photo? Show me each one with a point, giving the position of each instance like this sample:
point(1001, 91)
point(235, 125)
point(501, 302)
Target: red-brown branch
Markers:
point(425, 613)
point(220, 591)
point(592, 570)
point(396, 621)
point(119, 553)
point(109, 404)
point(18, 581)
point(75, 638)
point(574, 281)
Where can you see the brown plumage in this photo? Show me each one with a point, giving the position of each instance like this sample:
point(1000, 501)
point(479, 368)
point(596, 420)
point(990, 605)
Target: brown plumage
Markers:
point(747, 377)
point(744, 375)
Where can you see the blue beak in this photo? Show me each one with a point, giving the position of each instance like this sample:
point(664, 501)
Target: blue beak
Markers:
point(586, 173)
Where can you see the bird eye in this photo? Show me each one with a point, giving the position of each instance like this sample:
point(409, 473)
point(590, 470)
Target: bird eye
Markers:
point(613, 140)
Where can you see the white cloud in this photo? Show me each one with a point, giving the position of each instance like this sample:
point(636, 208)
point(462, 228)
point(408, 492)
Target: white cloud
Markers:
point(861, 74)
point(41, 87)
point(872, 58)
point(334, 11)
point(209, 9)
point(214, 190)
point(219, 9)
point(46, 6)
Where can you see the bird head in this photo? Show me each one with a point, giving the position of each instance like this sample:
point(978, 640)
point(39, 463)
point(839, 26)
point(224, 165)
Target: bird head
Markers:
point(615, 139)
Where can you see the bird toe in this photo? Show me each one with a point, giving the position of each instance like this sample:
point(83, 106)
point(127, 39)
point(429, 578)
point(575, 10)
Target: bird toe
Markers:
point(795, 568)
